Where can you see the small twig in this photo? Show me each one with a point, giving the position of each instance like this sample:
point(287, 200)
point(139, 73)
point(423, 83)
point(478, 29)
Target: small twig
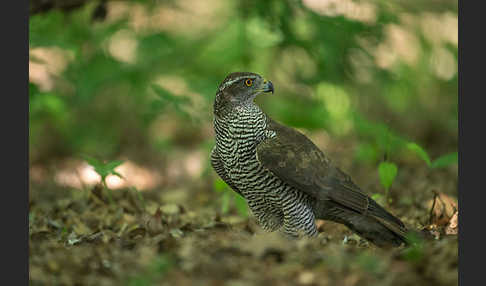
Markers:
point(433, 206)
point(108, 192)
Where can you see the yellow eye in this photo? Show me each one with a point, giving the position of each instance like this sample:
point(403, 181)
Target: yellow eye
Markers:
point(248, 82)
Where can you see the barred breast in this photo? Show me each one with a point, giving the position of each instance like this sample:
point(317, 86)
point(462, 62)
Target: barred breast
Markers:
point(271, 200)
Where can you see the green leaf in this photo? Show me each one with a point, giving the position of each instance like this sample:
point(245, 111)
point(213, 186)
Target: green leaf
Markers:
point(33, 89)
point(219, 185)
point(420, 152)
point(445, 160)
point(113, 164)
point(117, 174)
point(366, 152)
point(379, 198)
point(388, 172)
point(225, 202)
point(240, 204)
point(92, 161)
point(104, 169)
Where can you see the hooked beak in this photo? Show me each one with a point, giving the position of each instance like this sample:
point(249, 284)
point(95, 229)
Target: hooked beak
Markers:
point(267, 86)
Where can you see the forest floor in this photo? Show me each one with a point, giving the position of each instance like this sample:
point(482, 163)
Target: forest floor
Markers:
point(179, 236)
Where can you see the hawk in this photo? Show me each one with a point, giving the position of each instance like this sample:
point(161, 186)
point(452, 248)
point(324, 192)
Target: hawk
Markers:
point(286, 180)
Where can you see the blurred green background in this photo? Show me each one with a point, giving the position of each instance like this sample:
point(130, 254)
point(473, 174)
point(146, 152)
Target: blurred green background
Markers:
point(121, 92)
point(367, 80)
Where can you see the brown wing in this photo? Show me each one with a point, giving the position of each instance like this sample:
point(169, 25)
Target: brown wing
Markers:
point(292, 157)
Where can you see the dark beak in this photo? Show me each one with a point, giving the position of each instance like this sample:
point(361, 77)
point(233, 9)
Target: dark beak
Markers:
point(268, 86)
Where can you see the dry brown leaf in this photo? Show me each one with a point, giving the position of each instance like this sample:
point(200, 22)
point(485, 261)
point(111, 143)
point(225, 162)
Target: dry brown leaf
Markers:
point(155, 224)
point(453, 226)
point(442, 207)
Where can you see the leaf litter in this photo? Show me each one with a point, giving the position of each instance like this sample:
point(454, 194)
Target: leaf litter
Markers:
point(443, 215)
point(147, 239)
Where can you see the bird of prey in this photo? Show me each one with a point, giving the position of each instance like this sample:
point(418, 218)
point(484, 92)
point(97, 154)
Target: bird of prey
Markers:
point(286, 180)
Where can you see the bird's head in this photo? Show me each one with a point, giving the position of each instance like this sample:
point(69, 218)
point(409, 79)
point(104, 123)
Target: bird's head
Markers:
point(241, 88)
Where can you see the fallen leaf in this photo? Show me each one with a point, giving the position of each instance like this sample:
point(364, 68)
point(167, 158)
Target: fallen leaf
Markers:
point(452, 227)
point(154, 224)
point(442, 207)
point(443, 213)
point(306, 278)
point(170, 209)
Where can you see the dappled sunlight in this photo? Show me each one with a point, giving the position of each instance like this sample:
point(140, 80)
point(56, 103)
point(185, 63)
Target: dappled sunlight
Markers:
point(440, 28)
point(187, 17)
point(186, 165)
point(360, 11)
point(123, 46)
point(39, 74)
point(399, 43)
point(46, 63)
point(193, 163)
point(443, 63)
point(128, 88)
point(77, 174)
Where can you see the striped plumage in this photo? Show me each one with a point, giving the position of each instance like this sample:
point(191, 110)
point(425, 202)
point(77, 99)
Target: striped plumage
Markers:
point(271, 200)
point(286, 180)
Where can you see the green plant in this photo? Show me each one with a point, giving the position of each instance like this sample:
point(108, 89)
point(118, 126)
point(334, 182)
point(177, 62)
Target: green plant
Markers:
point(442, 161)
point(387, 172)
point(104, 169)
point(445, 160)
point(228, 196)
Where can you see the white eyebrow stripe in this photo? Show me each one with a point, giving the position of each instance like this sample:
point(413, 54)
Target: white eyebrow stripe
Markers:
point(230, 82)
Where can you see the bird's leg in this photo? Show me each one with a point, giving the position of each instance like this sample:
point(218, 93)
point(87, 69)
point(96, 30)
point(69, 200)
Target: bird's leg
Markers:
point(270, 220)
point(268, 216)
point(299, 220)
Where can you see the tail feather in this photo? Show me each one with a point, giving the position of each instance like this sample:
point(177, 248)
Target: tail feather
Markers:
point(378, 226)
point(376, 210)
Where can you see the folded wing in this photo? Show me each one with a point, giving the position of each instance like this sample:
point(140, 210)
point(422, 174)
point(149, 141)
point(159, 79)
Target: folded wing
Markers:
point(292, 157)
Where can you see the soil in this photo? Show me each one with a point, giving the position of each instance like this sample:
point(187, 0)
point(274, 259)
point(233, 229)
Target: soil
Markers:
point(180, 237)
